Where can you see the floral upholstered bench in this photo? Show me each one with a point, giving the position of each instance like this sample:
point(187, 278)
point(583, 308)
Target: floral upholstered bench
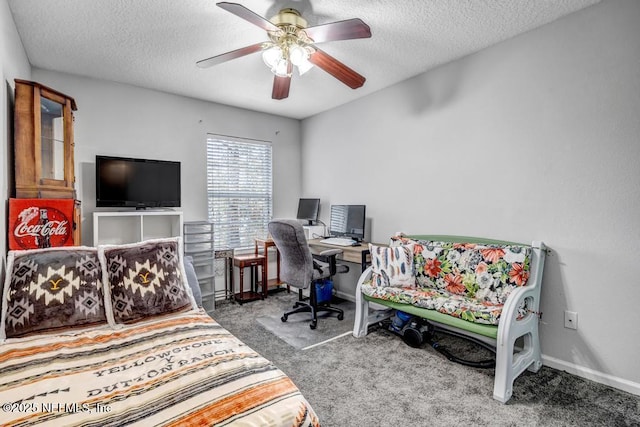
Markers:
point(488, 290)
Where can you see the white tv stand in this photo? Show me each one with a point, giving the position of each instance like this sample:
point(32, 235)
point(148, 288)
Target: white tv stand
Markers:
point(118, 227)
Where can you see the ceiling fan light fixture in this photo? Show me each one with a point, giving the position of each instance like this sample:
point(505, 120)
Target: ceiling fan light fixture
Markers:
point(289, 45)
point(277, 56)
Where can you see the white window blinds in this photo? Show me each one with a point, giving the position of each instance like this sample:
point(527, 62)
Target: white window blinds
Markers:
point(239, 188)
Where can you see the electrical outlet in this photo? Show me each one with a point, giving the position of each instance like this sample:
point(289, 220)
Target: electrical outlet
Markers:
point(571, 319)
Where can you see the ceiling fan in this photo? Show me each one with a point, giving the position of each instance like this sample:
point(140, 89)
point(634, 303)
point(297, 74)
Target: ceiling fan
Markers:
point(292, 44)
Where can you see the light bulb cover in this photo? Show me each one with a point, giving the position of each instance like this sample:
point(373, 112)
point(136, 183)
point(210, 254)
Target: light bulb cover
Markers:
point(280, 69)
point(297, 54)
point(272, 56)
point(304, 66)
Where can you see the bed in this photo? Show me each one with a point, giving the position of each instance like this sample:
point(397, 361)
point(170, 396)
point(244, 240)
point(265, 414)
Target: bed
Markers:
point(133, 349)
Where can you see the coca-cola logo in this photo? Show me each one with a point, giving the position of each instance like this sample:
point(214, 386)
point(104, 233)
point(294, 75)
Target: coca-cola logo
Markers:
point(42, 227)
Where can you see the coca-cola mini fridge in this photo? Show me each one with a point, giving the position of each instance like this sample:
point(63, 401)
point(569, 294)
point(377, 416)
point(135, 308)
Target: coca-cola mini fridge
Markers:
point(40, 223)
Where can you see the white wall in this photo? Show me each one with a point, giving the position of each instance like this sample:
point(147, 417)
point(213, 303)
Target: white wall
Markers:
point(123, 120)
point(13, 64)
point(535, 138)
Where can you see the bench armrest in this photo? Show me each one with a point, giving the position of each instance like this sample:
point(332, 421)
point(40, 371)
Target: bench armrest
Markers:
point(364, 277)
point(363, 317)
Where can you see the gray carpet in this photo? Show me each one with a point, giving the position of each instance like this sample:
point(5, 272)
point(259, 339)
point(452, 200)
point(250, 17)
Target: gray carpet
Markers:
point(296, 332)
point(380, 381)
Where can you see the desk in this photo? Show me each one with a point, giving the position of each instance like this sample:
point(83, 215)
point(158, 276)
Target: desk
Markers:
point(358, 254)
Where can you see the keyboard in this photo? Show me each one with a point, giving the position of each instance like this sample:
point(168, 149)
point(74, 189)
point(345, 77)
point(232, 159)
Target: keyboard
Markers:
point(338, 241)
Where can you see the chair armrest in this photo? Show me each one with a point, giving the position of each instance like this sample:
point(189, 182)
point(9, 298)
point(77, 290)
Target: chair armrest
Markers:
point(328, 256)
point(330, 252)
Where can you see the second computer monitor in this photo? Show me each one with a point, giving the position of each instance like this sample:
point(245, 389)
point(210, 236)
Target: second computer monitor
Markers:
point(308, 210)
point(347, 221)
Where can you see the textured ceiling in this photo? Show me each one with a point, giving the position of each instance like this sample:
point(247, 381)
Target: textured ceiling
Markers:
point(156, 43)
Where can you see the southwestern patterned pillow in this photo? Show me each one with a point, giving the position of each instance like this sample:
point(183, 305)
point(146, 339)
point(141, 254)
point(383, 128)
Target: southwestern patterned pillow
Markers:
point(145, 279)
point(51, 290)
point(392, 266)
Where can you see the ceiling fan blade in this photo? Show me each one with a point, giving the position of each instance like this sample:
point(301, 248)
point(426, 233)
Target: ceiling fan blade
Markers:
point(281, 84)
point(219, 59)
point(248, 15)
point(337, 69)
point(342, 30)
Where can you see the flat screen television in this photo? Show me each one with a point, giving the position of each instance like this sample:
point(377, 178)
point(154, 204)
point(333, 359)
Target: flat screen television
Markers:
point(347, 221)
point(137, 183)
point(308, 210)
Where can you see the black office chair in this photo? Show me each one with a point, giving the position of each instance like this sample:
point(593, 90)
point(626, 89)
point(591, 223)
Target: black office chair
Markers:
point(301, 269)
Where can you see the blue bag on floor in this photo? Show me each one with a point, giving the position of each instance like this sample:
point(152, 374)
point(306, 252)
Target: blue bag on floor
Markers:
point(324, 290)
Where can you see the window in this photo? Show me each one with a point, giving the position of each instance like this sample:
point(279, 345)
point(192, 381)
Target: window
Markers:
point(239, 190)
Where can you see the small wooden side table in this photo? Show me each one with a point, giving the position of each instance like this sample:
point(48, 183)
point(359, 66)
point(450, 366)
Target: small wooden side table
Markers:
point(266, 244)
point(255, 262)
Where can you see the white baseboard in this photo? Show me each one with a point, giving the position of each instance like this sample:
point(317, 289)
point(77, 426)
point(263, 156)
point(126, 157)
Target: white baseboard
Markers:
point(593, 375)
point(345, 295)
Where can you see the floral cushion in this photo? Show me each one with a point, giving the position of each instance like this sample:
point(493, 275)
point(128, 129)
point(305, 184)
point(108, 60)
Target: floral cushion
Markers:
point(440, 300)
point(145, 279)
point(486, 273)
point(392, 266)
point(401, 295)
point(53, 289)
point(466, 280)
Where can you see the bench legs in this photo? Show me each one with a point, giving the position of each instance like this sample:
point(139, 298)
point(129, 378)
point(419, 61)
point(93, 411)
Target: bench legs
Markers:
point(360, 324)
point(509, 365)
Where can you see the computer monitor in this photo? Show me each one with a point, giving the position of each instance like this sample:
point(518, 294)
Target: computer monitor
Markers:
point(308, 210)
point(347, 221)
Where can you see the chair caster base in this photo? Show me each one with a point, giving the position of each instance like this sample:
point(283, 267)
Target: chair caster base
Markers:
point(313, 325)
point(340, 316)
point(284, 318)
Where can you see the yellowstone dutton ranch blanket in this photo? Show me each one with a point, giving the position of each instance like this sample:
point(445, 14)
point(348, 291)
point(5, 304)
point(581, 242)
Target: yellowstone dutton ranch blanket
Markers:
point(180, 370)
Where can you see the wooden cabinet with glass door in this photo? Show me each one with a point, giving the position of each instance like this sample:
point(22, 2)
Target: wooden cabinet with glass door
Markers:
point(43, 145)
